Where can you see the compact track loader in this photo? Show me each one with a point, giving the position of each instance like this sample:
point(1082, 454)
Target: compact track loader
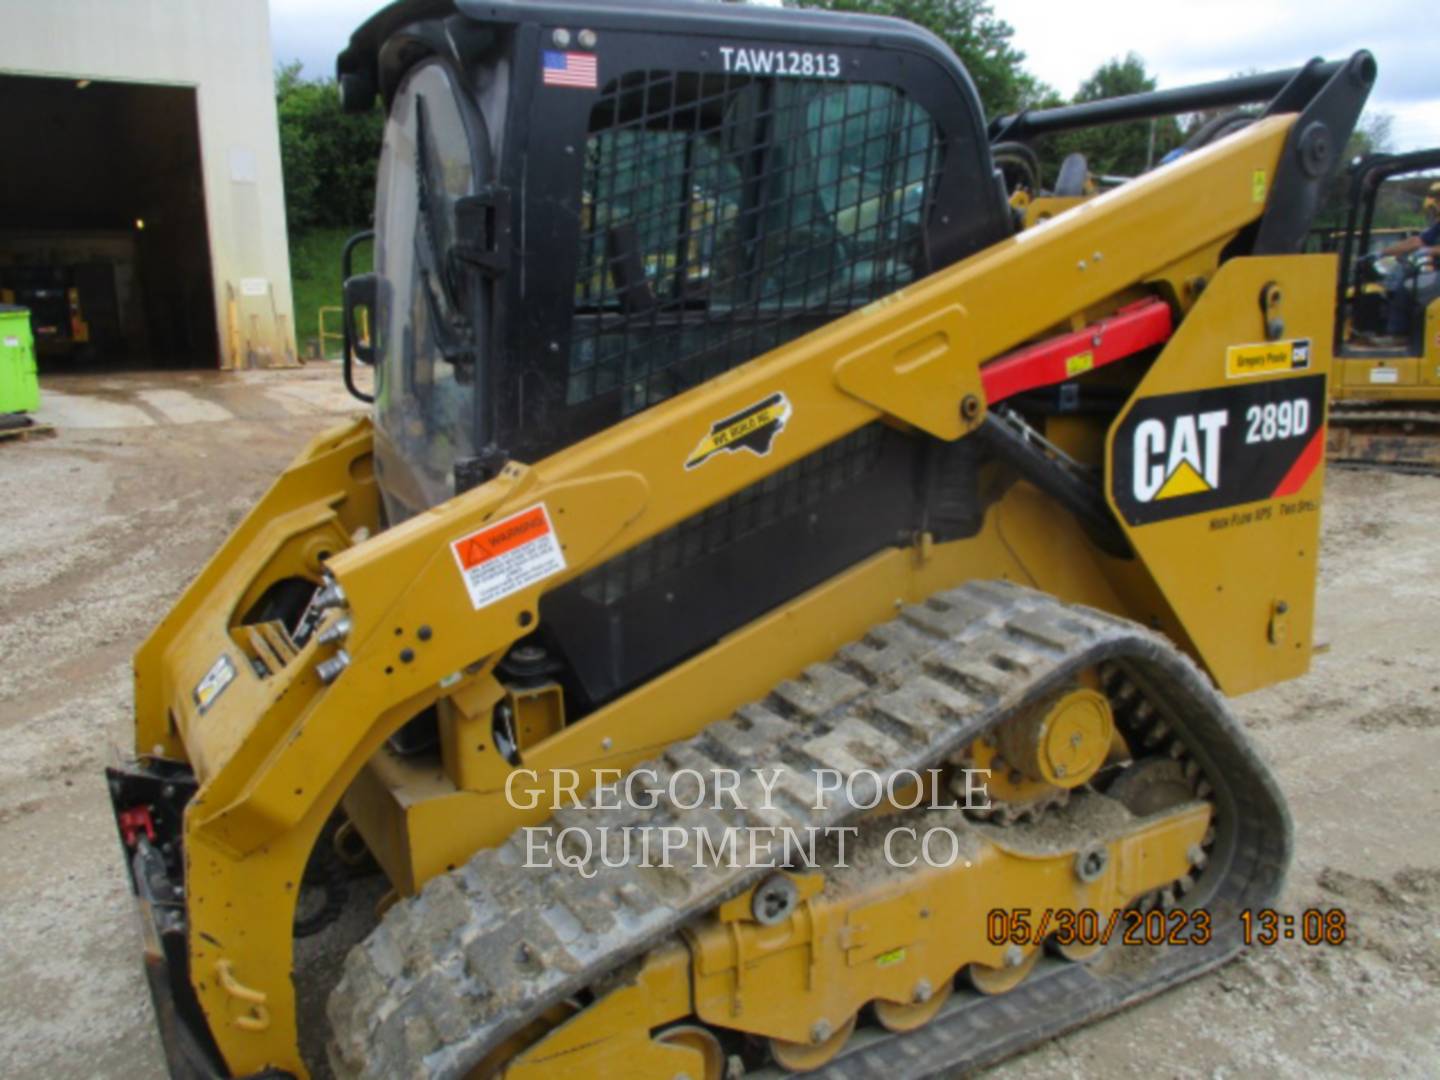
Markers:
point(1386, 387)
point(771, 618)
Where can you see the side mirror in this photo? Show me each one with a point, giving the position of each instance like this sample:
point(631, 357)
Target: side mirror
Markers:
point(360, 294)
point(358, 299)
point(357, 91)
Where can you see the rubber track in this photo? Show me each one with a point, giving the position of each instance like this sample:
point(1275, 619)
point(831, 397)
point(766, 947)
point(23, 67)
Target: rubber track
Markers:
point(480, 952)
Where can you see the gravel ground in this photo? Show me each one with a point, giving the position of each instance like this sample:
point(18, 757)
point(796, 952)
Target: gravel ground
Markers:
point(103, 525)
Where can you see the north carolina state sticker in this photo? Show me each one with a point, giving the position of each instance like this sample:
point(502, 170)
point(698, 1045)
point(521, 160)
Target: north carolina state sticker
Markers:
point(508, 556)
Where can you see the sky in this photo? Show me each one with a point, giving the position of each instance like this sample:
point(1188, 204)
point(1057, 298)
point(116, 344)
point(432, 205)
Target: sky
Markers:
point(1181, 41)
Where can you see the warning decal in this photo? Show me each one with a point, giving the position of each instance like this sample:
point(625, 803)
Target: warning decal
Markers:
point(220, 675)
point(508, 556)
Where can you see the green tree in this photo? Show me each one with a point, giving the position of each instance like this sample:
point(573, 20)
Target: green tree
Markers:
point(979, 38)
point(1372, 135)
point(1118, 149)
point(329, 157)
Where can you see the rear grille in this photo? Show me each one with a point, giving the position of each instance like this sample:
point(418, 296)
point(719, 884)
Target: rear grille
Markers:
point(724, 215)
point(790, 491)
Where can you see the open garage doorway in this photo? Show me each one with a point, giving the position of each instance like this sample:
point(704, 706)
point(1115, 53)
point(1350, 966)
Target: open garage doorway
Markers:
point(102, 224)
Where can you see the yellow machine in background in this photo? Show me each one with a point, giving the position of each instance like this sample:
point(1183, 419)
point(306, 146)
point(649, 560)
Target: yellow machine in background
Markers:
point(800, 524)
point(1033, 202)
point(56, 316)
point(1387, 379)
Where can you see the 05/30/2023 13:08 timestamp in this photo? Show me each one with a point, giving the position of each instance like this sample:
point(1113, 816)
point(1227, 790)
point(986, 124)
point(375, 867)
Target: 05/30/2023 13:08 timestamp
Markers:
point(1181, 926)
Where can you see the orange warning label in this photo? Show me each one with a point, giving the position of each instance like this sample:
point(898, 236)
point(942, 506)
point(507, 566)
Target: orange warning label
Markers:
point(508, 556)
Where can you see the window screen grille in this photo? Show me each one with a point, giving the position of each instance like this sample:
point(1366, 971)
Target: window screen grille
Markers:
point(724, 215)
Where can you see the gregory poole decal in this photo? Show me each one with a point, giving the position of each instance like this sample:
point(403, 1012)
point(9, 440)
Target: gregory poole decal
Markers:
point(508, 556)
point(1266, 358)
point(753, 428)
point(1179, 454)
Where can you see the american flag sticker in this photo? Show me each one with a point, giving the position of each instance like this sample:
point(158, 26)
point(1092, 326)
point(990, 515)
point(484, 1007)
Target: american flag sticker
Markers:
point(568, 69)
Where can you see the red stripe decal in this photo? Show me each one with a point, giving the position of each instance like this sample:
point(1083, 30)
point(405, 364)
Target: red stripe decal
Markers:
point(1067, 356)
point(1304, 465)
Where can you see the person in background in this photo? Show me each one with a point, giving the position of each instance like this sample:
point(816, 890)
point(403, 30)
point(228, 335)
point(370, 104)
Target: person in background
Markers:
point(1397, 298)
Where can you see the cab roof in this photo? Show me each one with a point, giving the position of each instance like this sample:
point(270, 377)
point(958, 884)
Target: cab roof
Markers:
point(373, 63)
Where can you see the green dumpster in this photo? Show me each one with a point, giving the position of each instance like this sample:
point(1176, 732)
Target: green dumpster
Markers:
point(19, 389)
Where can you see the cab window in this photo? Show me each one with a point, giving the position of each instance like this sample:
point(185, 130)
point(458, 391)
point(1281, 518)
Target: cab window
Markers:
point(424, 403)
point(722, 216)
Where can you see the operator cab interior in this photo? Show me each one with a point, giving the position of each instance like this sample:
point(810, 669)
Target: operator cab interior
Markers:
point(1382, 301)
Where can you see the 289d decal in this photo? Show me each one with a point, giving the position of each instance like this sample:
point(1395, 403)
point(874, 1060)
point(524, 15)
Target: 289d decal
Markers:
point(1189, 453)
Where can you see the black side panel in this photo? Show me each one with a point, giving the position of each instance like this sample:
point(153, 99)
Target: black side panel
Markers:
point(675, 594)
point(953, 506)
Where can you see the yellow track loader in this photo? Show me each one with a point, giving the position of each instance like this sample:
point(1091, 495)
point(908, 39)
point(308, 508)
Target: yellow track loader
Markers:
point(772, 616)
point(1387, 326)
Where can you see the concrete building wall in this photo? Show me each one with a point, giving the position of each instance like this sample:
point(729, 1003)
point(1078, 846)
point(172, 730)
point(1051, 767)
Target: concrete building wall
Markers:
point(222, 49)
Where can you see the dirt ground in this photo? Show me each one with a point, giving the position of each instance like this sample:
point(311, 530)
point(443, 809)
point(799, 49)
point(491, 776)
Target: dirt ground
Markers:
point(102, 526)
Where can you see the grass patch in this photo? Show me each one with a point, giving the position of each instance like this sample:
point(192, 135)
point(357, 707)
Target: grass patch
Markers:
point(315, 283)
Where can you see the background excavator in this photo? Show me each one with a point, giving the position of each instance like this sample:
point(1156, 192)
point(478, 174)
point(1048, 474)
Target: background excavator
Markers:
point(1386, 384)
point(725, 421)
